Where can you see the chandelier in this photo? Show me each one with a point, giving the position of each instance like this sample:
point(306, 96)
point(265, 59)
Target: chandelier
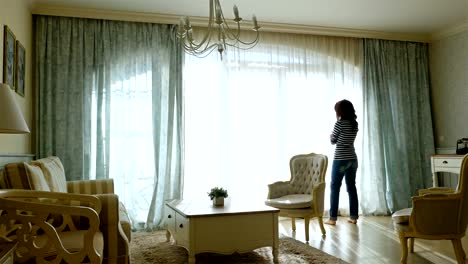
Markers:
point(219, 34)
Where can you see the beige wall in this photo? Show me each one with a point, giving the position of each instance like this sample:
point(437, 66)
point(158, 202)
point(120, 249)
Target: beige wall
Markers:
point(449, 79)
point(17, 16)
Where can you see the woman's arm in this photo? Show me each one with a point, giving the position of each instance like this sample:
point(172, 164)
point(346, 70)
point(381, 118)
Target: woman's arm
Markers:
point(336, 132)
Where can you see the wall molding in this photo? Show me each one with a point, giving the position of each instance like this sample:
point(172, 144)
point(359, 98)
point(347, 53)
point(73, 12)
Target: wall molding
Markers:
point(201, 21)
point(450, 31)
point(10, 158)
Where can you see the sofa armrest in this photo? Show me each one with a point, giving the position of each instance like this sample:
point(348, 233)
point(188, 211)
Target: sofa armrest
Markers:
point(436, 190)
point(91, 186)
point(116, 240)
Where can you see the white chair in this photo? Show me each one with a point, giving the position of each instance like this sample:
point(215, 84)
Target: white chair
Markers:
point(303, 195)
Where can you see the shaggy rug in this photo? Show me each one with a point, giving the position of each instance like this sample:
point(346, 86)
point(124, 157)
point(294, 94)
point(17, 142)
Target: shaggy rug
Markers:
point(151, 247)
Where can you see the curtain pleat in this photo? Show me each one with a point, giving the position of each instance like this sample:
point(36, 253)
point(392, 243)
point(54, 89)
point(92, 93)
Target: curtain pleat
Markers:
point(398, 137)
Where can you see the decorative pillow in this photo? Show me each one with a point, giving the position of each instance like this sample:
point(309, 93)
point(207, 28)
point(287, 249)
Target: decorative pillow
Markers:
point(36, 177)
point(54, 173)
point(15, 176)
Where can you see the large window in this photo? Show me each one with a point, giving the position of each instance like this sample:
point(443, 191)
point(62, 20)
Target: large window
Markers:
point(247, 115)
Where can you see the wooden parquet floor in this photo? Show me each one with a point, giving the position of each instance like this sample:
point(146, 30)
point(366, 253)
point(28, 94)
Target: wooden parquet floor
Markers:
point(372, 240)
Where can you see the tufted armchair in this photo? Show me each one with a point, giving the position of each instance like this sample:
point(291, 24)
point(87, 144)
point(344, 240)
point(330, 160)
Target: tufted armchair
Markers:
point(437, 214)
point(303, 195)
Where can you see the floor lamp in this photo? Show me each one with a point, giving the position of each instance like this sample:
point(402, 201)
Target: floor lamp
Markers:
point(11, 117)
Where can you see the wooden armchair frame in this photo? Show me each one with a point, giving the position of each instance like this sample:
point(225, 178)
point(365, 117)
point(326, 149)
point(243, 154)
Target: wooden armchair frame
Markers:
point(437, 214)
point(40, 223)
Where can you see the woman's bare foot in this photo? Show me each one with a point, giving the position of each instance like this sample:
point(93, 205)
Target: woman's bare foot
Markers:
point(352, 221)
point(330, 222)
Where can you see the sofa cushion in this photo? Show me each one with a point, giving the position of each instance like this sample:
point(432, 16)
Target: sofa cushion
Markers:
point(36, 177)
point(292, 201)
point(402, 216)
point(54, 173)
point(73, 241)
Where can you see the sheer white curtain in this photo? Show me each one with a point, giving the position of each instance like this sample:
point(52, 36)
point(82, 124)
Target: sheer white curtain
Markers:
point(247, 115)
point(131, 139)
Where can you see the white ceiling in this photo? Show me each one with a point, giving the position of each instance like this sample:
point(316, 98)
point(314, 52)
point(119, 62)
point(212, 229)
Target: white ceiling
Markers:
point(399, 16)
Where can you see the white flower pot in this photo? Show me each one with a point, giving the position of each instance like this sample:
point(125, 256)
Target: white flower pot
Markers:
point(218, 201)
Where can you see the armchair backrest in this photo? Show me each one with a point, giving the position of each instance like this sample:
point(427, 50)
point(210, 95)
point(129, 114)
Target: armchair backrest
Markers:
point(307, 171)
point(463, 190)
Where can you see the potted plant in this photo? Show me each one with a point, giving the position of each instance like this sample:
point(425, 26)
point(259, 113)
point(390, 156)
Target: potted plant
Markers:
point(217, 195)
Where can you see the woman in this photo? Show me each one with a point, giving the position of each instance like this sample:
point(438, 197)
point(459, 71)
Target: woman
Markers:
point(345, 161)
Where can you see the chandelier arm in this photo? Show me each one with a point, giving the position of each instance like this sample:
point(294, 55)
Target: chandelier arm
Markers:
point(230, 32)
point(195, 49)
point(196, 46)
point(242, 48)
point(236, 37)
point(190, 49)
point(204, 53)
point(210, 26)
point(191, 45)
point(246, 43)
point(231, 36)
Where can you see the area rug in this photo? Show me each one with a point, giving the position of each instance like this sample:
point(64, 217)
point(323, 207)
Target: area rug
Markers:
point(151, 247)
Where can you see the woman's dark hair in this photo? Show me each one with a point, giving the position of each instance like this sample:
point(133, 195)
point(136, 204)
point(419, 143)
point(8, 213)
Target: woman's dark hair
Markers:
point(345, 110)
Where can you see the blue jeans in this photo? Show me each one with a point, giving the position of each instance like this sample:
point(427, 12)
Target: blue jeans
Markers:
point(346, 169)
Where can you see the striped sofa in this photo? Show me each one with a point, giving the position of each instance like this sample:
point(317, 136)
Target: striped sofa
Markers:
point(48, 174)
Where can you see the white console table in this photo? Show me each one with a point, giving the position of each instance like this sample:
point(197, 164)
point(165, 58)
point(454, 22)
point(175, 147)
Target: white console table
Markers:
point(445, 163)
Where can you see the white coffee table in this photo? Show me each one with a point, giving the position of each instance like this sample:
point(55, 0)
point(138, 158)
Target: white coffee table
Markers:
point(202, 227)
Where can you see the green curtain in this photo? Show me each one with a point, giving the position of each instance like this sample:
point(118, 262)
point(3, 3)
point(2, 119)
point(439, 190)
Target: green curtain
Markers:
point(87, 72)
point(398, 136)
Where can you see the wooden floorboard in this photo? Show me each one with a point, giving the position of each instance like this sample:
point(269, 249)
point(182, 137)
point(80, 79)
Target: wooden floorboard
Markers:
point(371, 240)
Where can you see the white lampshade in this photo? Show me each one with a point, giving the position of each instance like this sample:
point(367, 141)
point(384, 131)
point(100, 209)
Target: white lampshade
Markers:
point(11, 117)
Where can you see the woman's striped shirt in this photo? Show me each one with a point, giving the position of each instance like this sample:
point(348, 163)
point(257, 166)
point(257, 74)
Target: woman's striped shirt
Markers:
point(343, 136)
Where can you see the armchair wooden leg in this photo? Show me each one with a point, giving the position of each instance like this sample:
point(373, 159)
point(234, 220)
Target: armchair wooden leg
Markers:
point(293, 224)
point(321, 226)
point(404, 249)
point(461, 249)
point(459, 252)
point(306, 225)
point(411, 244)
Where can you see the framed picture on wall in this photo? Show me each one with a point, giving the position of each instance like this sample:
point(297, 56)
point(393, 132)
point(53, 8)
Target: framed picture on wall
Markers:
point(9, 47)
point(20, 66)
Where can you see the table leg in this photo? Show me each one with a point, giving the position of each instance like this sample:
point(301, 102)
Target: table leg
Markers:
point(275, 238)
point(168, 236)
point(275, 254)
